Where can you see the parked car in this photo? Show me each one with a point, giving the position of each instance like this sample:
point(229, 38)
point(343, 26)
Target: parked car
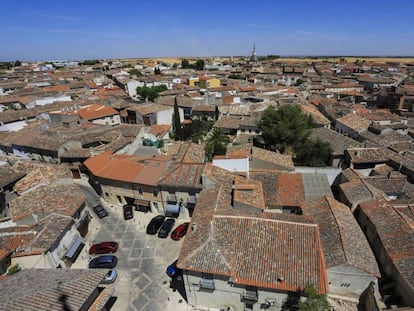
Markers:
point(110, 277)
point(166, 228)
point(180, 231)
point(173, 271)
point(103, 248)
point(155, 224)
point(105, 261)
point(100, 211)
point(128, 212)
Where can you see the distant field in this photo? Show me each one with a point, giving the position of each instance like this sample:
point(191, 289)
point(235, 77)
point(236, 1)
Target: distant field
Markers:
point(350, 59)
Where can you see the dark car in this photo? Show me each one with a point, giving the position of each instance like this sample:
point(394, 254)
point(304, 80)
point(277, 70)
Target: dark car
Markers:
point(166, 228)
point(180, 231)
point(128, 213)
point(105, 261)
point(155, 224)
point(103, 248)
point(100, 211)
point(172, 270)
point(110, 277)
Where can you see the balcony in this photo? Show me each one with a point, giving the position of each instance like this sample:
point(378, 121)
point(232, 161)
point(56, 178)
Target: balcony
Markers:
point(171, 198)
point(207, 284)
point(249, 296)
point(191, 199)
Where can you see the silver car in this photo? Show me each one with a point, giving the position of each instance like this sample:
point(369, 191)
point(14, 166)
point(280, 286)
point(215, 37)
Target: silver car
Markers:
point(110, 277)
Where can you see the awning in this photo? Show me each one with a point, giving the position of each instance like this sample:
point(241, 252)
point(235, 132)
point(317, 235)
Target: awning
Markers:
point(75, 248)
point(172, 209)
point(141, 202)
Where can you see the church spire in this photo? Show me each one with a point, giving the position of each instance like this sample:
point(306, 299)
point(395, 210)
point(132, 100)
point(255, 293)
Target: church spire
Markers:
point(253, 58)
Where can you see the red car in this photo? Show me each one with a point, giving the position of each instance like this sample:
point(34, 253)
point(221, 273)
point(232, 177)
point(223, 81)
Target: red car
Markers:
point(180, 231)
point(103, 248)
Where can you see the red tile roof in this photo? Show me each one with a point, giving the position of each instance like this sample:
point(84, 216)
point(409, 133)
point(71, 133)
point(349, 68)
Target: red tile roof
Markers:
point(134, 169)
point(342, 239)
point(96, 111)
point(267, 250)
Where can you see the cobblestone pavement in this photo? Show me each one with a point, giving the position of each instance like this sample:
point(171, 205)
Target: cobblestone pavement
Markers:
point(142, 283)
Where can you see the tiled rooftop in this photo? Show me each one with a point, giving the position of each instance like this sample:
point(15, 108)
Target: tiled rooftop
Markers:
point(395, 233)
point(355, 121)
point(249, 192)
point(356, 191)
point(267, 250)
point(40, 289)
point(134, 169)
point(342, 239)
point(184, 175)
point(185, 152)
point(338, 142)
point(62, 199)
point(9, 175)
point(368, 155)
point(228, 122)
point(146, 109)
point(96, 111)
point(283, 161)
point(38, 174)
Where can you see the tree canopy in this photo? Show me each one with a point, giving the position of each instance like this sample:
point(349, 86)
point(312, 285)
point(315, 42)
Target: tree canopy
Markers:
point(216, 143)
point(150, 93)
point(198, 65)
point(135, 72)
point(314, 301)
point(176, 121)
point(285, 128)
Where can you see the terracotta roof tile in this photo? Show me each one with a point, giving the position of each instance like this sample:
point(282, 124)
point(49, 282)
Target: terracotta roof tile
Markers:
point(40, 289)
point(134, 169)
point(96, 111)
point(63, 199)
point(268, 250)
point(342, 239)
point(249, 192)
point(355, 121)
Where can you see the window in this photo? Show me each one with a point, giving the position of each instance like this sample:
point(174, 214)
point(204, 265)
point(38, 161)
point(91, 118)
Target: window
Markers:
point(207, 282)
point(249, 295)
point(140, 190)
point(154, 192)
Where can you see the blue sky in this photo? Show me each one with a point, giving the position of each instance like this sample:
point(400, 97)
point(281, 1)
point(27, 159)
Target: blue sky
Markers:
point(89, 29)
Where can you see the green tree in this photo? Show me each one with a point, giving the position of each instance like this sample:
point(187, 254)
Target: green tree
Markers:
point(176, 121)
point(199, 129)
point(314, 153)
point(285, 128)
point(17, 63)
point(236, 76)
point(150, 93)
point(185, 64)
point(135, 72)
point(314, 301)
point(299, 82)
point(216, 143)
point(199, 64)
point(157, 71)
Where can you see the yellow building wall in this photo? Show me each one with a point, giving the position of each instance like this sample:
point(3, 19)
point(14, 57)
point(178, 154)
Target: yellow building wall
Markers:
point(210, 83)
point(193, 82)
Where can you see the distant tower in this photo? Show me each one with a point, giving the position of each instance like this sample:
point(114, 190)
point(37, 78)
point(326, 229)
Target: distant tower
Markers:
point(253, 58)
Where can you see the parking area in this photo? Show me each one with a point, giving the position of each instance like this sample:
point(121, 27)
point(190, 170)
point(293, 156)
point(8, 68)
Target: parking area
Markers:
point(142, 283)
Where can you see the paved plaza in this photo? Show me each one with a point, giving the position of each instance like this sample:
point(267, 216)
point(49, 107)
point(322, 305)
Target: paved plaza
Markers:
point(142, 283)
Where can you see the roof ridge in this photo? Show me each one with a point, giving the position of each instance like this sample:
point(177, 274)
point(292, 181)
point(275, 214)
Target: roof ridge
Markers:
point(338, 226)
